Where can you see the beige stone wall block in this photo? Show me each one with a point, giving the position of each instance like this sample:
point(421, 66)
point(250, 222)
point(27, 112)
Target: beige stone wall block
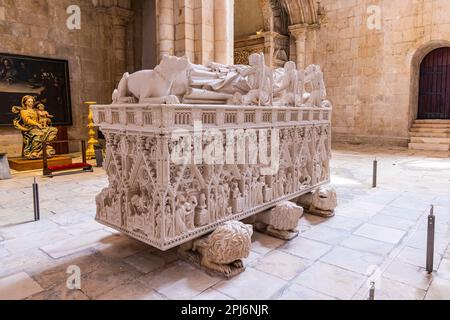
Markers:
point(166, 45)
point(11, 142)
point(166, 32)
point(165, 15)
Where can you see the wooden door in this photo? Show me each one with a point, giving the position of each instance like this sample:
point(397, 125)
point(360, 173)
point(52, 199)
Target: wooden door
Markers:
point(434, 87)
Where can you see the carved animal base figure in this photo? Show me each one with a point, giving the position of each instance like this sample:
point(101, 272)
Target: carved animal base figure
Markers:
point(281, 222)
point(220, 252)
point(271, 231)
point(321, 202)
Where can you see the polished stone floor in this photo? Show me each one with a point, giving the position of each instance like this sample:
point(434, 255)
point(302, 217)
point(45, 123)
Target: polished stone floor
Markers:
point(377, 235)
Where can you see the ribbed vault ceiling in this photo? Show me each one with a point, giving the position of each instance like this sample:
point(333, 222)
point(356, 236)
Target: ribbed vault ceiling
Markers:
point(300, 11)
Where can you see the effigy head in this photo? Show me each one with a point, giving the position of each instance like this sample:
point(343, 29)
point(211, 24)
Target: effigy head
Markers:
point(28, 101)
point(256, 59)
point(290, 65)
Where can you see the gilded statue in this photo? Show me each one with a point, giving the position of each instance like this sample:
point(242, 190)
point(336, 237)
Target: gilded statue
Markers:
point(35, 124)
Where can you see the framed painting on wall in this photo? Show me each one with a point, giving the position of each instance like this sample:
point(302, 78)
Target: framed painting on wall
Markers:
point(46, 79)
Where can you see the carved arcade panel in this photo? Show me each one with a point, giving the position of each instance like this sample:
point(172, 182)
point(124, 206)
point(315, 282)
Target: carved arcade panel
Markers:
point(165, 203)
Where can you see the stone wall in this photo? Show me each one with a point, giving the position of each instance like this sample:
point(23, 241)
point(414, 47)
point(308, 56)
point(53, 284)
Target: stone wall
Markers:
point(248, 18)
point(372, 75)
point(38, 28)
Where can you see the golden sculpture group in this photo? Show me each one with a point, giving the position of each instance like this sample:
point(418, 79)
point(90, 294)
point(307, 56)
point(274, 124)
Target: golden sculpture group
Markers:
point(35, 124)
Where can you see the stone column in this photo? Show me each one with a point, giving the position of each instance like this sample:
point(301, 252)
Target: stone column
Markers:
point(299, 33)
point(166, 24)
point(224, 31)
point(269, 47)
point(120, 21)
point(184, 28)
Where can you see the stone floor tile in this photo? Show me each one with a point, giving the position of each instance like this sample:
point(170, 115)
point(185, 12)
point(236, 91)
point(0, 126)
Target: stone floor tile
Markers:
point(4, 252)
point(106, 278)
point(413, 202)
point(305, 248)
point(325, 234)
point(444, 270)
point(75, 244)
point(352, 260)
point(379, 233)
point(169, 256)
point(60, 292)
point(55, 274)
point(82, 228)
point(368, 245)
point(341, 222)
point(70, 218)
point(18, 286)
point(440, 225)
point(133, 290)
point(388, 289)
point(34, 240)
point(252, 258)
point(419, 240)
point(179, 281)
point(354, 212)
point(145, 261)
point(417, 257)
point(309, 220)
point(439, 290)
point(121, 247)
point(402, 213)
point(252, 284)
point(24, 261)
point(331, 280)
point(298, 292)
point(27, 229)
point(282, 265)
point(212, 295)
point(263, 244)
point(408, 274)
point(392, 222)
point(381, 196)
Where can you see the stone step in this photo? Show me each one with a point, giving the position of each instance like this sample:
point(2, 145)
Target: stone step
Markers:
point(437, 121)
point(429, 146)
point(431, 140)
point(430, 134)
point(436, 126)
point(437, 130)
point(428, 153)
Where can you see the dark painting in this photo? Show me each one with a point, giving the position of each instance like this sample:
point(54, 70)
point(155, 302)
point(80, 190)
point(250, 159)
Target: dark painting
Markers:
point(45, 79)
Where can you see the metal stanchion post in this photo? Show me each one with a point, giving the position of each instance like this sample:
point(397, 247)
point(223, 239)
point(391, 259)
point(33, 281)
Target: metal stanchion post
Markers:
point(37, 215)
point(98, 155)
point(375, 173)
point(430, 240)
point(372, 291)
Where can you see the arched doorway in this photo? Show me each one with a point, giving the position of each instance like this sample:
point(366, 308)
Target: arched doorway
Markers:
point(434, 85)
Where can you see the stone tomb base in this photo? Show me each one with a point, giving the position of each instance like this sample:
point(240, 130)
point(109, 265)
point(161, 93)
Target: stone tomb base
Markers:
point(20, 164)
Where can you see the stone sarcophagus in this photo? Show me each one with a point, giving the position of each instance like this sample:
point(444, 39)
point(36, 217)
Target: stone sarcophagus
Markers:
point(179, 170)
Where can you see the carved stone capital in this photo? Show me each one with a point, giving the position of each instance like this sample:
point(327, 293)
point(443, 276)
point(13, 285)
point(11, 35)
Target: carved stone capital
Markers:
point(299, 31)
point(120, 16)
